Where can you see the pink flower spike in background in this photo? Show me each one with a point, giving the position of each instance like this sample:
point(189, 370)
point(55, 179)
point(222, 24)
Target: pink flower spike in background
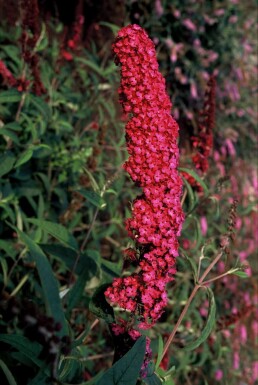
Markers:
point(157, 216)
point(218, 375)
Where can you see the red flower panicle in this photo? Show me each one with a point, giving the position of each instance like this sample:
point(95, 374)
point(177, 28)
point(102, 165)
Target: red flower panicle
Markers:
point(7, 76)
point(203, 143)
point(21, 84)
point(29, 38)
point(72, 46)
point(157, 216)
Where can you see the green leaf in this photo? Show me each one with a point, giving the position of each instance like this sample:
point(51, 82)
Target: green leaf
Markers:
point(10, 134)
point(114, 28)
point(198, 234)
point(196, 177)
point(191, 262)
point(70, 367)
point(40, 379)
point(57, 231)
point(241, 274)
point(66, 254)
point(24, 157)
point(160, 351)
point(13, 126)
point(210, 322)
point(40, 105)
point(10, 378)
point(48, 281)
point(166, 375)
point(190, 194)
point(8, 249)
point(77, 290)
point(99, 305)
point(151, 377)
point(111, 268)
point(127, 369)
point(93, 197)
point(7, 161)
point(10, 96)
point(28, 348)
point(100, 71)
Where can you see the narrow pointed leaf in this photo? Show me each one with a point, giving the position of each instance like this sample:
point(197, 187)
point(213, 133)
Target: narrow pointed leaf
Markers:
point(57, 231)
point(10, 378)
point(7, 161)
point(47, 279)
point(210, 322)
point(28, 348)
point(196, 177)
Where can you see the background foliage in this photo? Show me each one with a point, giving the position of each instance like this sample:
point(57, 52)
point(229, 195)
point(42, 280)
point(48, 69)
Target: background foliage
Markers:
point(64, 196)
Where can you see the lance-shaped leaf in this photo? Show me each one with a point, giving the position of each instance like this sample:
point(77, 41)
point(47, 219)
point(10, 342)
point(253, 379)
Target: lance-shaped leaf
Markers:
point(47, 279)
point(57, 231)
point(210, 322)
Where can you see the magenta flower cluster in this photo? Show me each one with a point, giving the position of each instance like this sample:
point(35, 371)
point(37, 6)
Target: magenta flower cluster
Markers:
point(157, 216)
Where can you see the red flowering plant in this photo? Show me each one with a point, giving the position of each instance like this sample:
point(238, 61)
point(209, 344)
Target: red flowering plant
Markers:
point(157, 217)
point(152, 144)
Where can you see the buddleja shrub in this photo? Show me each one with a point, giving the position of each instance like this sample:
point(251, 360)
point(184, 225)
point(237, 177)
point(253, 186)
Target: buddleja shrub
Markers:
point(71, 305)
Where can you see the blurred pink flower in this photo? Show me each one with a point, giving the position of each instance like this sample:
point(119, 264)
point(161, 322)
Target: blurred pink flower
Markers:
point(197, 42)
point(248, 270)
point(255, 180)
point(193, 90)
point(230, 147)
point(239, 73)
point(204, 225)
point(219, 12)
point(233, 19)
point(176, 49)
point(255, 370)
point(204, 309)
point(247, 47)
point(189, 114)
point(247, 299)
point(243, 334)
point(221, 267)
point(213, 56)
point(226, 333)
point(176, 113)
point(218, 375)
point(234, 310)
point(236, 360)
point(180, 76)
point(255, 328)
point(240, 113)
point(176, 13)
point(210, 20)
point(238, 223)
point(158, 8)
point(189, 25)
